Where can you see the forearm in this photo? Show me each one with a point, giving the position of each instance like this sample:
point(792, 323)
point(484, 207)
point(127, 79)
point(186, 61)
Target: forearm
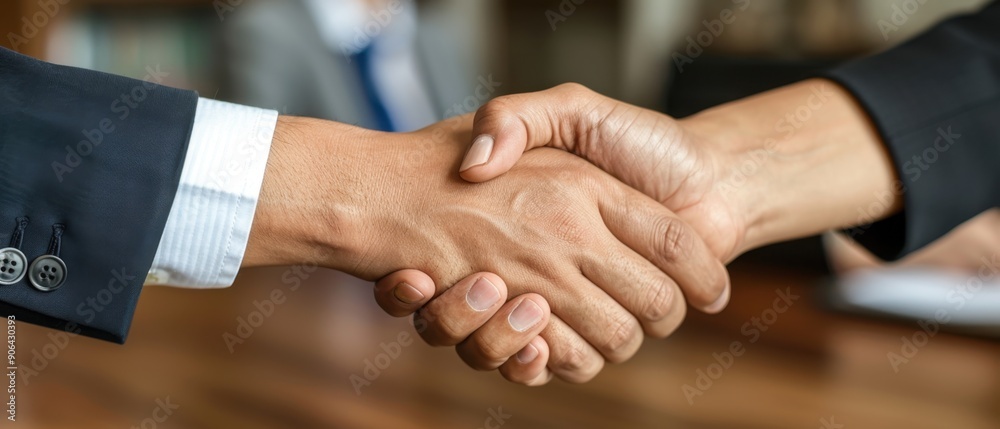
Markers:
point(352, 199)
point(834, 170)
point(803, 159)
point(940, 125)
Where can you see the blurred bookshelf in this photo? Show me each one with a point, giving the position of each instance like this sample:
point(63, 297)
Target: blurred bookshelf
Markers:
point(175, 37)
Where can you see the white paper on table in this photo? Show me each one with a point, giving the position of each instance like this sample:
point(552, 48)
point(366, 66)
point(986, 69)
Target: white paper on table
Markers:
point(969, 300)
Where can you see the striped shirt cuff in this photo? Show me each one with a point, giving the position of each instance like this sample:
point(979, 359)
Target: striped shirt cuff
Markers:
point(209, 223)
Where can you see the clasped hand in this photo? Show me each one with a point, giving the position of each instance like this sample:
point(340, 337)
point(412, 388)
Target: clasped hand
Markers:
point(567, 267)
point(549, 262)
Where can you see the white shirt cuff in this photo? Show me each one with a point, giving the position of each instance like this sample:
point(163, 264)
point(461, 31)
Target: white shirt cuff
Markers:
point(209, 223)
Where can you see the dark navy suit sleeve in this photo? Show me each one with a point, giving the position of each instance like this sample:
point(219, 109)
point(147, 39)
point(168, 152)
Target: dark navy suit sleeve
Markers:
point(936, 103)
point(100, 155)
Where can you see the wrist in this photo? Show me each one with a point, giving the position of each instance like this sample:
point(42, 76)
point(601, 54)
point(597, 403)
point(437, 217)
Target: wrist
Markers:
point(307, 212)
point(800, 160)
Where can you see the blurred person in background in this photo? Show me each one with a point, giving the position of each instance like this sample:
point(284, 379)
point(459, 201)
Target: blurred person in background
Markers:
point(361, 62)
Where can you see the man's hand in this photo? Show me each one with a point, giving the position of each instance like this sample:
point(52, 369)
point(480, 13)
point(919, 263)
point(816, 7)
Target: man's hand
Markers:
point(500, 326)
point(606, 258)
point(649, 151)
point(784, 164)
point(779, 165)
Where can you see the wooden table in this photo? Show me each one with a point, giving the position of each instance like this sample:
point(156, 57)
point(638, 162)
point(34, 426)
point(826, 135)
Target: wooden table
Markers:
point(810, 369)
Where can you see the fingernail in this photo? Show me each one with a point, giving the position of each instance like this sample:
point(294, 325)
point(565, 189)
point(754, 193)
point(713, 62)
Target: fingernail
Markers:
point(720, 303)
point(482, 295)
point(527, 354)
point(407, 293)
point(479, 153)
point(525, 315)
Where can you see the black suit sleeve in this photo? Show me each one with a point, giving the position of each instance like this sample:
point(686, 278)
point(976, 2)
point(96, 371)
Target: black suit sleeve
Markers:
point(936, 103)
point(100, 156)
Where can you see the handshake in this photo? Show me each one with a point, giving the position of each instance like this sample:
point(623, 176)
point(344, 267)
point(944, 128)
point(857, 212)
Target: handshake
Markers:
point(550, 262)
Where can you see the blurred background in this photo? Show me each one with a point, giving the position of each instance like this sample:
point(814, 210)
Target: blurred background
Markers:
point(830, 337)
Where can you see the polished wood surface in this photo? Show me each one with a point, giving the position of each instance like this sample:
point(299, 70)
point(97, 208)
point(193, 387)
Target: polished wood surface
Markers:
point(810, 369)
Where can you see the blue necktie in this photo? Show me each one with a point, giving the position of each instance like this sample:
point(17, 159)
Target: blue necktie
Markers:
point(378, 109)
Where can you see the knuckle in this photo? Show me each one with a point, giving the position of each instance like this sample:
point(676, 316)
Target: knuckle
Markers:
point(657, 302)
point(450, 332)
point(666, 327)
point(489, 355)
point(572, 88)
point(443, 331)
point(573, 359)
point(619, 345)
point(673, 242)
point(495, 108)
point(577, 366)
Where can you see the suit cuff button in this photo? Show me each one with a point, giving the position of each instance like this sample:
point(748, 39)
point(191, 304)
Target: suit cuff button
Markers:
point(47, 273)
point(13, 264)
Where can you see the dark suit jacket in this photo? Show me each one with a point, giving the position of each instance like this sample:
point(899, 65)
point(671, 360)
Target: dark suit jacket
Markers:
point(101, 155)
point(936, 102)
